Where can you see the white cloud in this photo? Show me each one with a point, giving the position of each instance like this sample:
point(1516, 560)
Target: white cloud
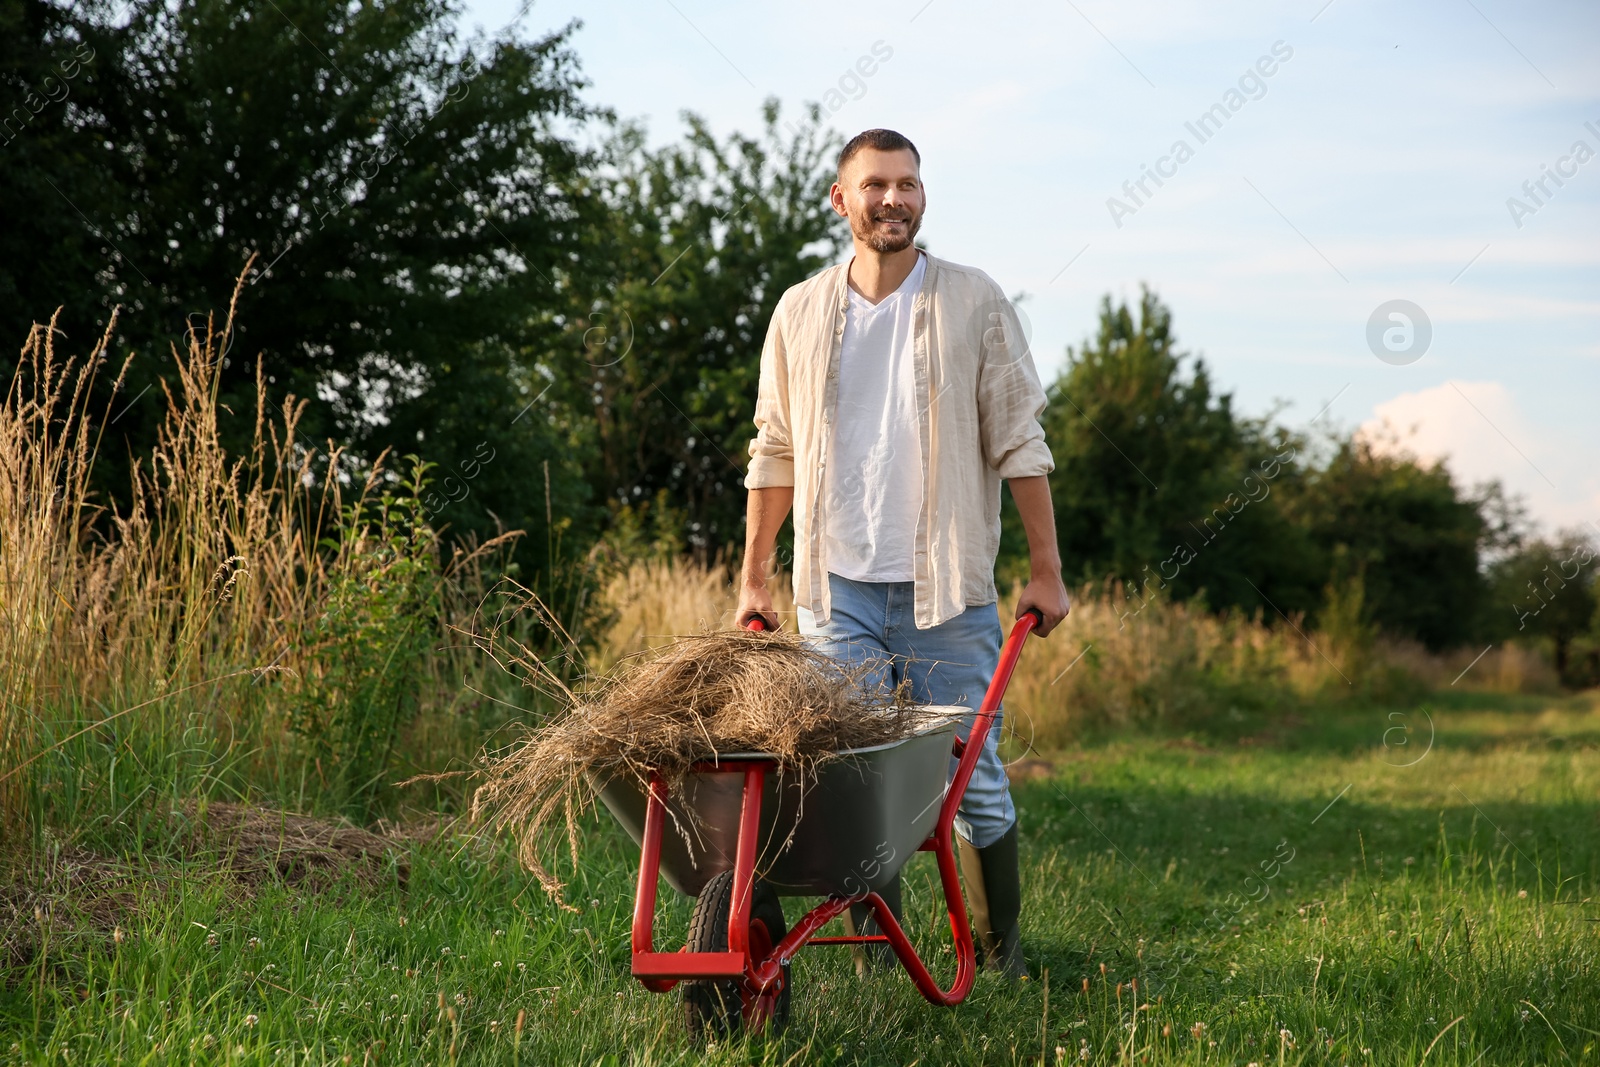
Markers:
point(1481, 432)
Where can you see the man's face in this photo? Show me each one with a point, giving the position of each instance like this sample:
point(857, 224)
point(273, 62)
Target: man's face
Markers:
point(881, 194)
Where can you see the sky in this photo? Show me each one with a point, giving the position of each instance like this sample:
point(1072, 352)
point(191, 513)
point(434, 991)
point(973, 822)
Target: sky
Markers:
point(1358, 154)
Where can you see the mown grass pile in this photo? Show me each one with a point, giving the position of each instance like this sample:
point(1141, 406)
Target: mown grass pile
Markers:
point(658, 713)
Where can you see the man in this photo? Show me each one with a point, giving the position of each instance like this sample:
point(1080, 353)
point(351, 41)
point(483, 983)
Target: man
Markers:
point(896, 393)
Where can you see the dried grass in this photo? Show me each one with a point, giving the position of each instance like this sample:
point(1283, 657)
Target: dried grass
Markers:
point(1507, 668)
point(660, 712)
point(67, 885)
point(258, 845)
point(1116, 663)
point(244, 846)
point(151, 616)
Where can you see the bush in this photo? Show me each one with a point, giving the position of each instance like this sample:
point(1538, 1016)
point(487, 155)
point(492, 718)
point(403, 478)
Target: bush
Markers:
point(370, 650)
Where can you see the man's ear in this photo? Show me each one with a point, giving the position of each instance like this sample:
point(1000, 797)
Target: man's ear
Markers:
point(836, 199)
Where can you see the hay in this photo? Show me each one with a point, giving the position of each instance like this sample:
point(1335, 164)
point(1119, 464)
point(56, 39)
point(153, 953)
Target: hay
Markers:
point(260, 845)
point(661, 712)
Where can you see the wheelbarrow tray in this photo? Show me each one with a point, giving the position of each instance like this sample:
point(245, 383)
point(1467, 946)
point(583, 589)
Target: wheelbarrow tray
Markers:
point(846, 831)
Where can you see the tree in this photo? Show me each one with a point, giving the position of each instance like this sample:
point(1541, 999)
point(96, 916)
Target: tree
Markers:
point(1407, 530)
point(404, 192)
point(659, 336)
point(47, 254)
point(1158, 483)
point(1547, 590)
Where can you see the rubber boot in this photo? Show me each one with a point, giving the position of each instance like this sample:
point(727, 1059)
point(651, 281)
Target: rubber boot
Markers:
point(994, 894)
point(859, 921)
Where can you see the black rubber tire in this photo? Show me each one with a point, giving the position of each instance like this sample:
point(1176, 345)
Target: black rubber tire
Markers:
point(712, 1007)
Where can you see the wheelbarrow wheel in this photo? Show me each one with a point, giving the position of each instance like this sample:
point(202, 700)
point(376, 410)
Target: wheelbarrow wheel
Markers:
point(717, 1007)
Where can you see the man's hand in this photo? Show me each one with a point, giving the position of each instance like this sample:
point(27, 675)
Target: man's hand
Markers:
point(1044, 591)
point(755, 600)
point(765, 510)
point(1046, 594)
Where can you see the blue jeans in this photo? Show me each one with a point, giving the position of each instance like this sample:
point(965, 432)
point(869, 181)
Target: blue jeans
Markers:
point(952, 663)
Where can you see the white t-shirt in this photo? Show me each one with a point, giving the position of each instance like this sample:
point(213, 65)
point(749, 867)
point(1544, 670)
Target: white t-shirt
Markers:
point(873, 488)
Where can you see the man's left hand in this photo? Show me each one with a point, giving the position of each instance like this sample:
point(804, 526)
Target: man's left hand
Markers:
point(1048, 595)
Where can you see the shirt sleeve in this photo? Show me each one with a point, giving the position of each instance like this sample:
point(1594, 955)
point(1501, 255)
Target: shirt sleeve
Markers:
point(772, 448)
point(1010, 398)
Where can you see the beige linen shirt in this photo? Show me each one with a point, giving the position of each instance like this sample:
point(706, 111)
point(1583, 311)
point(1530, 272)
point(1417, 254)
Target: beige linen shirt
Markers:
point(978, 401)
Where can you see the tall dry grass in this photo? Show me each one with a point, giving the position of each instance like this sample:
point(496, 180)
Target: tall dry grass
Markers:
point(207, 575)
point(1167, 664)
point(1508, 668)
point(198, 614)
point(1115, 663)
point(652, 601)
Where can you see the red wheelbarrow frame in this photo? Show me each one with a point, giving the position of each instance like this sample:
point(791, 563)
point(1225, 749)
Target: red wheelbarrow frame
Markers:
point(762, 976)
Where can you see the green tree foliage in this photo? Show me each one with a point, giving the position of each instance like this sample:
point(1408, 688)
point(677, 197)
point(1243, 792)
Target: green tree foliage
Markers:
point(402, 189)
point(1158, 483)
point(47, 255)
point(664, 315)
point(1547, 590)
point(502, 465)
point(1413, 536)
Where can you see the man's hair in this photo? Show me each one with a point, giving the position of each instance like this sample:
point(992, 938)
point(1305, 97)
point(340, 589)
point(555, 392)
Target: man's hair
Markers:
point(882, 140)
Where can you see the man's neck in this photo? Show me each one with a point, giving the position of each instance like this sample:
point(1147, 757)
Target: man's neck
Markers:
point(875, 275)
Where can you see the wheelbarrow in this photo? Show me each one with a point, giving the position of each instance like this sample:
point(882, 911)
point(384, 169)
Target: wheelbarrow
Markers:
point(843, 835)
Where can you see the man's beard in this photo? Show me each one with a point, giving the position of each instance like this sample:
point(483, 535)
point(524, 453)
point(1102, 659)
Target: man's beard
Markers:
point(884, 243)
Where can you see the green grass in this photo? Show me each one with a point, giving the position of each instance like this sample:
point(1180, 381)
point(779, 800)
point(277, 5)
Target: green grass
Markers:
point(1411, 884)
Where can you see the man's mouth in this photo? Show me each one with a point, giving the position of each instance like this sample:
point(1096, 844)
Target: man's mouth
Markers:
point(885, 218)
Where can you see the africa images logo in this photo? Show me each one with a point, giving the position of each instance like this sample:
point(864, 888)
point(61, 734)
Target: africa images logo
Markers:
point(1252, 85)
point(1399, 332)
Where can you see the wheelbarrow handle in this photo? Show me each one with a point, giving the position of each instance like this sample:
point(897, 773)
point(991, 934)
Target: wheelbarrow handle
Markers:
point(757, 624)
point(983, 720)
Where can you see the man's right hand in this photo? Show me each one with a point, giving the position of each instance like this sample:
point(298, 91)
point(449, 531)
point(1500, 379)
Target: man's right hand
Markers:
point(755, 601)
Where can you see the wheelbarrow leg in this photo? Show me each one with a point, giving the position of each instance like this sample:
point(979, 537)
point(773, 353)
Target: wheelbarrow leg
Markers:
point(858, 921)
point(738, 915)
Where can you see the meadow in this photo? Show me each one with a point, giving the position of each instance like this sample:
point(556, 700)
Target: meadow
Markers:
point(1297, 893)
point(1244, 841)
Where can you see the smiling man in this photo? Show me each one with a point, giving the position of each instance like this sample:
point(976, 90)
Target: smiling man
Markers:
point(896, 393)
